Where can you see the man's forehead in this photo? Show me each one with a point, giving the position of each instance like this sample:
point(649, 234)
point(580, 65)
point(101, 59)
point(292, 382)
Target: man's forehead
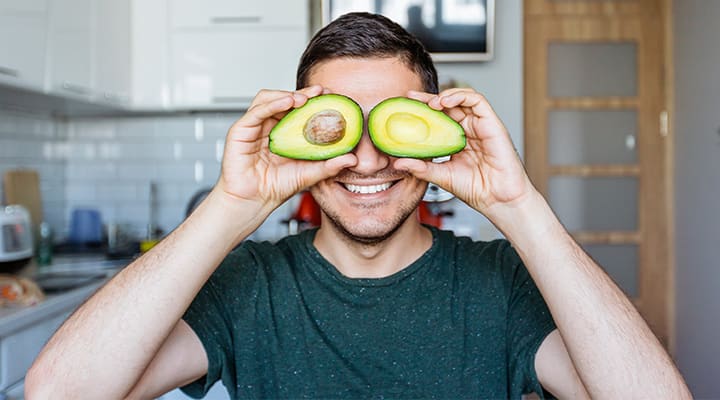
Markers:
point(366, 80)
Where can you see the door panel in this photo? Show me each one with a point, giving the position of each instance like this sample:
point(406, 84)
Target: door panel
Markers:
point(595, 203)
point(592, 69)
point(592, 137)
point(594, 142)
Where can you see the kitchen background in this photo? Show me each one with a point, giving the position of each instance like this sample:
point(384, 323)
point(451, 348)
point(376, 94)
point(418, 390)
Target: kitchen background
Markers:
point(94, 146)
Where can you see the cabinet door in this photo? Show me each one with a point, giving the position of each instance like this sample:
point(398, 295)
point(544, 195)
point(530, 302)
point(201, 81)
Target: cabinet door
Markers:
point(71, 48)
point(22, 6)
point(22, 49)
point(234, 13)
point(226, 69)
point(18, 350)
point(112, 74)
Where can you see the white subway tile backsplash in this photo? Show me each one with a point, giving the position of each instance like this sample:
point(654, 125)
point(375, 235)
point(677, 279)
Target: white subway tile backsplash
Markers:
point(80, 193)
point(135, 128)
point(143, 171)
point(91, 129)
point(115, 193)
point(176, 172)
point(109, 163)
point(95, 172)
point(179, 127)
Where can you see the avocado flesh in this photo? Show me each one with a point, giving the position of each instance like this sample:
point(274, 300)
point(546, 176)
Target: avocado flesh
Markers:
point(288, 138)
point(404, 127)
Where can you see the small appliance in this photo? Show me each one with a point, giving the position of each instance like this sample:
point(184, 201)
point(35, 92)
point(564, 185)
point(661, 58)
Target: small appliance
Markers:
point(16, 238)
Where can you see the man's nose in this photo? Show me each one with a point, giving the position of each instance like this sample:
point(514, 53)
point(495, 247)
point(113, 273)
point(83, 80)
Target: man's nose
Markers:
point(370, 159)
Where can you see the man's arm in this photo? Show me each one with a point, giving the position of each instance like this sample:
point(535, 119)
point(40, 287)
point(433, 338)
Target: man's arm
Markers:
point(610, 346)
point(104, 349)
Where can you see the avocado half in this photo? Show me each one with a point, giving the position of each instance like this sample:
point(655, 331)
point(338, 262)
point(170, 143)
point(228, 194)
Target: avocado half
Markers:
point(326, 126)
point(404, 127)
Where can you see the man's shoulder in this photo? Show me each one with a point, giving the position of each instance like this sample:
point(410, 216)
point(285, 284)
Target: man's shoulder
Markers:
point(471, 249)
point(478, 260)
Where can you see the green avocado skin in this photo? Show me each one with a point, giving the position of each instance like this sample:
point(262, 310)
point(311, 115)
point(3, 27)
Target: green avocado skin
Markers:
point(441, 135)
point(287, 138)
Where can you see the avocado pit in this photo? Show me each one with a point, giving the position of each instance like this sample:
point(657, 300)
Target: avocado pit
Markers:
point(325, 127)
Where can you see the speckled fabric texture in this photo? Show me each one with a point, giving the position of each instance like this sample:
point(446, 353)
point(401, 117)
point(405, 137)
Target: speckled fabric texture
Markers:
point(279, 321)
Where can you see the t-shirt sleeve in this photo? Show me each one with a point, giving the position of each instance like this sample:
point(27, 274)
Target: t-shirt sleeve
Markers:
point(529, 323)
point(210, 319)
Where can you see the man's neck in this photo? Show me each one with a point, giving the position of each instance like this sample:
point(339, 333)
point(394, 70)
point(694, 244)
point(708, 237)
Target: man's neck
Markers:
point(361, 260)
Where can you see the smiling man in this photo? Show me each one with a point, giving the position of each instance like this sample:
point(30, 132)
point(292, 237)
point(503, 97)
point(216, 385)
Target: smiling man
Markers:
point(372, 304)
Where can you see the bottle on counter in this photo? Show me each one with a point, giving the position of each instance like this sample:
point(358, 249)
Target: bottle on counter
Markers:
point(45, 245)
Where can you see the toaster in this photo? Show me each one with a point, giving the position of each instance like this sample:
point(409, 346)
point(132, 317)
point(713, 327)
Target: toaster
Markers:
point(16, 238)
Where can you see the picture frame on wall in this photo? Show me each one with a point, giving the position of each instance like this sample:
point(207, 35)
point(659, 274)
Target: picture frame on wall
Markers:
point(451, 30)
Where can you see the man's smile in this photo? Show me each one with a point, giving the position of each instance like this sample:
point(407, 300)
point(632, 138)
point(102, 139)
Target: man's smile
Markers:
point(368, 189)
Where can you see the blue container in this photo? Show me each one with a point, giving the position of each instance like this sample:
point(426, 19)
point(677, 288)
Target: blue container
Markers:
point(85, 226)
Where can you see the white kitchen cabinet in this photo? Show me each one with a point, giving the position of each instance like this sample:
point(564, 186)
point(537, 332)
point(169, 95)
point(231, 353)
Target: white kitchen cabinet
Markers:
point(89, 50)
point(23, 31)
point(222, 52)
point(219, 69)
point(112, 54)
point(150, 55)
point(238, 13)
point(71, 48)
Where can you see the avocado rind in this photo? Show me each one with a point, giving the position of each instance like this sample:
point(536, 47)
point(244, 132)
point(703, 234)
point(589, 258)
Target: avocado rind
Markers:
point(287, 137)
point(439, 136)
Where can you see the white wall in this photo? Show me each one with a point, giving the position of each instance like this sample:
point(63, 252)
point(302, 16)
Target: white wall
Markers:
point(697, 193)
point(108, 163)
point(501, 79)
point(114, 160)
point(33, 140)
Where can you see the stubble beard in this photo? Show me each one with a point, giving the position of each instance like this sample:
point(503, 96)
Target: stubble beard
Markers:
point(405, 211)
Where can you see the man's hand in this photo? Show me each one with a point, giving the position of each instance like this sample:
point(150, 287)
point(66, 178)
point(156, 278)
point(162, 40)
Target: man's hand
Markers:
point(612, 351)
point(250, 172)
point(488, 172)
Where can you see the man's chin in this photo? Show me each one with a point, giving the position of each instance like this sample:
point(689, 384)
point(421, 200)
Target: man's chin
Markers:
point(364, 233)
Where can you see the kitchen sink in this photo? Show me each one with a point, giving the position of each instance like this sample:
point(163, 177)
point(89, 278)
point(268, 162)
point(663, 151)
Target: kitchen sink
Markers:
point(68, 273)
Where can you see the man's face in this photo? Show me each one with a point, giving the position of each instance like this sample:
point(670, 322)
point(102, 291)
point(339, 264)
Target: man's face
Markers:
point(370, 201)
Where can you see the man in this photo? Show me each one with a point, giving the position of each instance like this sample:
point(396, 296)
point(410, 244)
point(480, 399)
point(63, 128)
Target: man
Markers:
point(372, 304)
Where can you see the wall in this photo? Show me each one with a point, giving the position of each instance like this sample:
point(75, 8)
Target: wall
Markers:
point(35, 140)
point(115, 160)
point(108, 163)
point(501, 81)
point(697, 190)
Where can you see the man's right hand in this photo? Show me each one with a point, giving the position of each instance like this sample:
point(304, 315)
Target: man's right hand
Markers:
point(251, 173)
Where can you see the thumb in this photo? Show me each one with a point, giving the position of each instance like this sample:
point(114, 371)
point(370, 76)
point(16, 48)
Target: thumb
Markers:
point(316, 171)
point(425, 170)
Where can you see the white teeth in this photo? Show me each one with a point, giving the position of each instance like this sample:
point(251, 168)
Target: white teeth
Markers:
point(368, 189)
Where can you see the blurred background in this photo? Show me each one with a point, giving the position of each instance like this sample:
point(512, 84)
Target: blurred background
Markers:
point(113, 115)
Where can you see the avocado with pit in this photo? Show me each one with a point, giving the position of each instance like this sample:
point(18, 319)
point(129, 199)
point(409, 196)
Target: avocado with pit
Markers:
point(326, 126)
point(403, 127)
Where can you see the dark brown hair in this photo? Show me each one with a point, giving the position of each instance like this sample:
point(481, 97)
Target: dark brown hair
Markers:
point(365, 35)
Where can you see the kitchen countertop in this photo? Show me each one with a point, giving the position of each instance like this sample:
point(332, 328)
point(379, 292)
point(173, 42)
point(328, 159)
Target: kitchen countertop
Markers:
point(14, 318)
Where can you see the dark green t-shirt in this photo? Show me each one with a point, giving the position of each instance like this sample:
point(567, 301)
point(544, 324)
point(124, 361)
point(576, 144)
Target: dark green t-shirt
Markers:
point(279, 321)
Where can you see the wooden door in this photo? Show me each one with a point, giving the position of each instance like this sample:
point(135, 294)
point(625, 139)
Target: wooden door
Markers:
point(596, 137)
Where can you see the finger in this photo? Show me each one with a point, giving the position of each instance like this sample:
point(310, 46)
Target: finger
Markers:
point(316, 171)
point(420, 96)
point(249, 127)
point(267, 95)
point(425, 170)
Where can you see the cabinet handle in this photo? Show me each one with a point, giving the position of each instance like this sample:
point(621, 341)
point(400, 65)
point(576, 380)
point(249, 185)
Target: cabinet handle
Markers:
point(229, 99)
point(77, 89)
point(252, 19)
point(9, 72)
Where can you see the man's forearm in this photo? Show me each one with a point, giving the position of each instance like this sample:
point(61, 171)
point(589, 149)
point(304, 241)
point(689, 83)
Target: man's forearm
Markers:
point(615, 353)
point(104, 347)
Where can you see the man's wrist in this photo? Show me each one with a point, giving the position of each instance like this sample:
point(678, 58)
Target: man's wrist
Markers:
point(229, 217)
point(526, 221)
